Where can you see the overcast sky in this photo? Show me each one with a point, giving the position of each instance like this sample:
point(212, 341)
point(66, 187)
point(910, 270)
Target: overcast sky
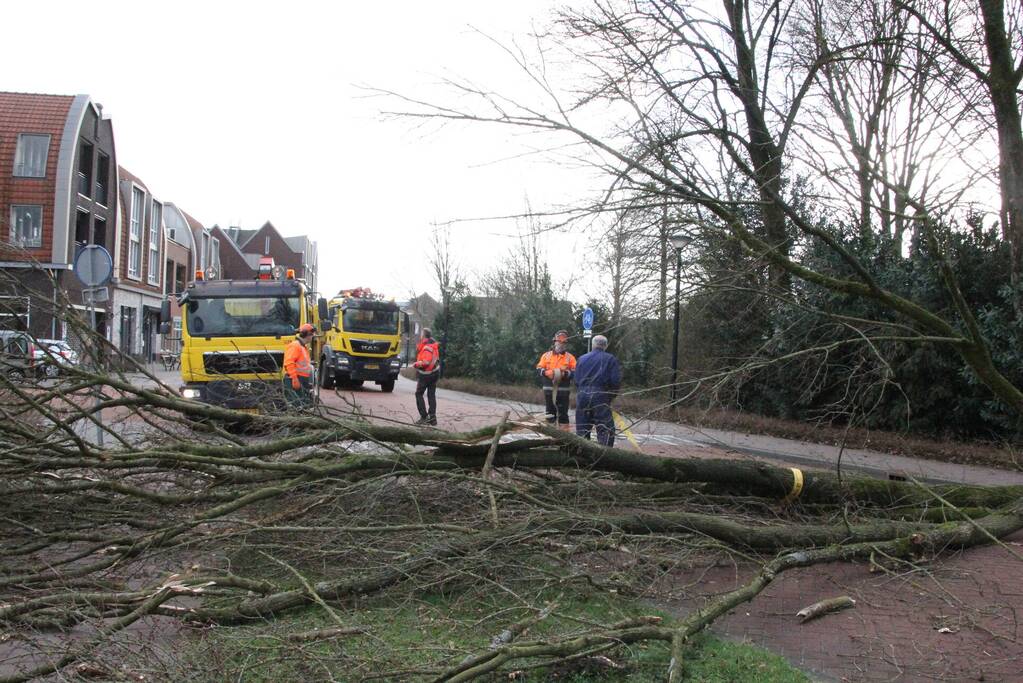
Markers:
point(242, 112)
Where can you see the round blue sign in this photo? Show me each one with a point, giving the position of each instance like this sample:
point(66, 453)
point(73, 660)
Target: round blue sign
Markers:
point(587, 318)
point(93, 265)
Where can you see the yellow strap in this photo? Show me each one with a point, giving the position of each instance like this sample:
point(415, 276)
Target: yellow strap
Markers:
point(623, 427)
point(797, 485)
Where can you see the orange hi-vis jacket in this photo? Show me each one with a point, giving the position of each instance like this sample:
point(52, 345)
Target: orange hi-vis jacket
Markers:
point(556, 361)
point(427, 357)
point(296, 360)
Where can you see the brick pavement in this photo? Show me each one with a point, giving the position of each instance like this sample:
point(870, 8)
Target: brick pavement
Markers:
point(954, 620)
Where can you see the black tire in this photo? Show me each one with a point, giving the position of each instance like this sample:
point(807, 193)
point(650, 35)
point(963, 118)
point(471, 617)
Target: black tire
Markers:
point(387, 386)
point(326, 375)
point(16, 375)
point(51, 371)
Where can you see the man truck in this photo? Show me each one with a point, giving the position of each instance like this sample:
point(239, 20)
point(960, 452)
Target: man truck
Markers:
point(362, 338)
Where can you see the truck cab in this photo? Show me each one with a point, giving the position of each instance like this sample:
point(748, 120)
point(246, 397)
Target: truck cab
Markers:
point(362, 337)
point(234, 333)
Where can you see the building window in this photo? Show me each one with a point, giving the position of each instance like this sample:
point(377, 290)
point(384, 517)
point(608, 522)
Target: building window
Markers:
point(214, 259)
point(180, 277)
point(99, 232)
point(26, 225)
point(85, 169)
point(102, 178)
point(82, 227)
point(155, 231)
point(138, 198)
point(204, 251)
point(30, 159)
point(14, 312)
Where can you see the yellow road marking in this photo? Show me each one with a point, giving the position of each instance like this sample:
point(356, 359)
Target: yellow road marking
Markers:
point(623, 427)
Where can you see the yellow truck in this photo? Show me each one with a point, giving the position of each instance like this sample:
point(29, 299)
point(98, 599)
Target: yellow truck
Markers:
point(362, 338)
point(233, 335)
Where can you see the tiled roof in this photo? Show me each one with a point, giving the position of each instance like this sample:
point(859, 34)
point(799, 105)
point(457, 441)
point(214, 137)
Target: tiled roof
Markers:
point(125, 174)
point(298, 243)
point(241, 237)
point(192, 222)
point(25, 112)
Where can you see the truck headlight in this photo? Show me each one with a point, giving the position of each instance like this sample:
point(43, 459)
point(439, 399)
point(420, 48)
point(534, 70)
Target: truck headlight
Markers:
point(191, 393)
point(342, 361)
point(395, 363)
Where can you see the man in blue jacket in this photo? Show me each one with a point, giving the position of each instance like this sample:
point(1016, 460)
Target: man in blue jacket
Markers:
point(598, 376)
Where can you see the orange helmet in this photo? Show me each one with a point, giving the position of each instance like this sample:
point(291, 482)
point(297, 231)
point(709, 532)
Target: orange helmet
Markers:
point(561, 336)
point(305, 329)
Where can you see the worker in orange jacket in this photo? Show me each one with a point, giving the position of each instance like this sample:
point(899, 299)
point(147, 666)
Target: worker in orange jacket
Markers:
point(298, 369)
point(555, 369)
point(427, 373)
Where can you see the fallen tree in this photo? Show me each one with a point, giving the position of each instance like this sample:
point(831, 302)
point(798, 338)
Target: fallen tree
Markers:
point(327, 507)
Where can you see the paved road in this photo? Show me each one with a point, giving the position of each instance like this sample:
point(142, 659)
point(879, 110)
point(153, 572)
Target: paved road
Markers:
point(460, 411)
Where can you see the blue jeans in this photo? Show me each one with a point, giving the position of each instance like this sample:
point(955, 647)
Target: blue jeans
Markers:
point(594, 410)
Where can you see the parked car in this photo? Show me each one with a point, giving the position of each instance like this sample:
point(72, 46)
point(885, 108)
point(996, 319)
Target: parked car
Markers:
point(51, 354)
point(17, 355)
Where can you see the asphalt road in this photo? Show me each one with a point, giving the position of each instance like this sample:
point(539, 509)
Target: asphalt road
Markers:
point(459, 411)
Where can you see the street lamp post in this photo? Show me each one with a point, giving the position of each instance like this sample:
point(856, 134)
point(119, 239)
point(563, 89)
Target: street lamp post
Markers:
point(678, 243)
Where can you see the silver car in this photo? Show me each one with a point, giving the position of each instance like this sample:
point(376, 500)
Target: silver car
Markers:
point(52, 354)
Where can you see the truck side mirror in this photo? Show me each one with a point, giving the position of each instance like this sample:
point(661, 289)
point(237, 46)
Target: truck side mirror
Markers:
point(165, 312)
point(321, 308)
point(165, 328)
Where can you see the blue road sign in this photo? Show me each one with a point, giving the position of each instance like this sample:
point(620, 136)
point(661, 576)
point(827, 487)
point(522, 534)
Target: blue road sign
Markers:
point(588, 319)
point(93, 265)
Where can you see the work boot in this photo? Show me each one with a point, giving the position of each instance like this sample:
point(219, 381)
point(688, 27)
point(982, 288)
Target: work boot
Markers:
point(424, 420)
point(432, 421)
point(550, 418)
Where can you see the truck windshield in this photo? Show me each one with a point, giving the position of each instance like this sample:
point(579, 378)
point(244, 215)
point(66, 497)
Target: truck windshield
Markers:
point(370, 321)
point(243, 317)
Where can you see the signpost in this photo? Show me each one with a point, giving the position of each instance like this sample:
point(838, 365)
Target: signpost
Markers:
point(588, 326)
point(93, 267)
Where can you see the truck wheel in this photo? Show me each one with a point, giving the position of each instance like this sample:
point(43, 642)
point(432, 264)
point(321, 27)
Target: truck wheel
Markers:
point(387, 386)
point(326, 375)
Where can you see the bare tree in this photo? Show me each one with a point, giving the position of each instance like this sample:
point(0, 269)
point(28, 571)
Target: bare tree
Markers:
point(977, 46)
point(709, 109)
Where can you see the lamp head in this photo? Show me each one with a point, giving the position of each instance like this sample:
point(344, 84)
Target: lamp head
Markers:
point(680, 241)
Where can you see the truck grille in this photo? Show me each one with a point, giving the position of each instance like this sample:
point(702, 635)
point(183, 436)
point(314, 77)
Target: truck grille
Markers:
point(365, 346)
point(242, 362)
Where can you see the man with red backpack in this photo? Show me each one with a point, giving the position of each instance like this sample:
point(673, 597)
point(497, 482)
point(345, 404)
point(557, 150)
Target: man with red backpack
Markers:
point(427, 367)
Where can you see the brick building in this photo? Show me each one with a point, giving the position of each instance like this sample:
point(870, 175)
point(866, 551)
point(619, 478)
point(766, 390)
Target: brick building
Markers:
point(62, 189)
point(179, 265)
point(138, 269)
point(298, 253)
point(57, 194)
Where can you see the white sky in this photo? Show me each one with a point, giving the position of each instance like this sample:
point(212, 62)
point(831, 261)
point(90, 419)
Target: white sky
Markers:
point(241, 112)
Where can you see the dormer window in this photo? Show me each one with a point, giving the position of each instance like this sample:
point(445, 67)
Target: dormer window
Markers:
point(30, 158)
